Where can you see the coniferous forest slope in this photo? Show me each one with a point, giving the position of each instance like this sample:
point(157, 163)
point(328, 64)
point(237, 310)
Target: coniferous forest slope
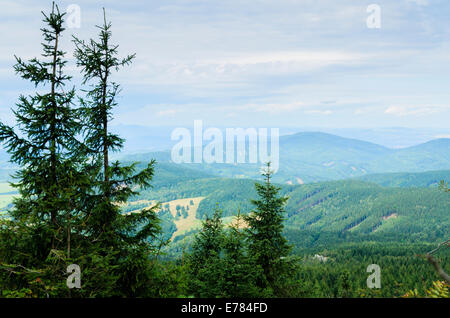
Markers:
point(329, 212)
point(379, 207)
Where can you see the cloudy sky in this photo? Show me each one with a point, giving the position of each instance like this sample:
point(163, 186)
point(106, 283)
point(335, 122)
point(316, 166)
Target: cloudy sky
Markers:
point(277, 63)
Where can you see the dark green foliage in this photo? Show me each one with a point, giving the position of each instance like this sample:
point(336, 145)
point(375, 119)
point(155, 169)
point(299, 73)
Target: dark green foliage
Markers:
point(166, 222)
point(115, 182)
point(184, 211)
point(325, 212)
point(403, 267)
point(266, 242)
point(240, 272)
point(233, 194)
point(404, 180)
point(350, 209)
point(219, 264)
point(67, 211)
point(204, 262)
point(45, 145)
point(132, 234)
point(50, 182)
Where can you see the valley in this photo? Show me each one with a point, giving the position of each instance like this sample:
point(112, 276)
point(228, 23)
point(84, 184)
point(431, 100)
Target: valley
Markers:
point(411, 209)
point(340, 190)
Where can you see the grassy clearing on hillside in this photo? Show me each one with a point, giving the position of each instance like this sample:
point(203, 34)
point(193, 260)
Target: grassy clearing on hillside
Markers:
point(190, 222)
point(183, 224)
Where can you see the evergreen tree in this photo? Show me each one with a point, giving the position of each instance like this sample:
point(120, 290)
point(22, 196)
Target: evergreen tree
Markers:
point(68, 208)
point(344, 285)
point(239, 273)
point(113, 183)
point(44, 145)
point(204, 262)
point(266, 241)
point(132, 236)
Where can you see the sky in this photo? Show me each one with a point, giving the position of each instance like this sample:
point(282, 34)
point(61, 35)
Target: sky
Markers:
point(279, 63)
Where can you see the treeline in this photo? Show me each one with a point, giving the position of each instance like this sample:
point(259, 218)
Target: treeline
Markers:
point(344, 273)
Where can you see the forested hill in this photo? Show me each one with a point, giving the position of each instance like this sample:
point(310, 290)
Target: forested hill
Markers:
point(404, 179)
point(312, 156)
point(317, 214)
point(375, 207)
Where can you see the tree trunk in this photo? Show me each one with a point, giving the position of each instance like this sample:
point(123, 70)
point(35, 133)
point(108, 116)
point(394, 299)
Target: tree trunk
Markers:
point(52, 128)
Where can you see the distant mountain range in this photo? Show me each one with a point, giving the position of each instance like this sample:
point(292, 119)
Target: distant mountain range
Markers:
point(145, 139)
point(314, 156)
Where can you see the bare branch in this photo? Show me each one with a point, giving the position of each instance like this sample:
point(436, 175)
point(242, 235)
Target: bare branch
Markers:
point(438, 268)
point(446, 243)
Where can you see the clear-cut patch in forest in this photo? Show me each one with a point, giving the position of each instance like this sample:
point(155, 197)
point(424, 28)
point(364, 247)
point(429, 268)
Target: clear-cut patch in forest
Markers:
point(355, 224)
point(390, 216)
point(384, 221)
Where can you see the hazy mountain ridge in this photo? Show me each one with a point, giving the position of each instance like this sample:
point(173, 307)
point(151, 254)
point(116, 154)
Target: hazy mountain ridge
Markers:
point(315, 156)
point(312, 156)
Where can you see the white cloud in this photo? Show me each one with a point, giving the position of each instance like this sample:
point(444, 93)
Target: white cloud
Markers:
point(234, 58)
point(362, 111)
point(410, 111)
point(307, 58)
point(418, 2)
point(442, 136)
point(275, 107)
point(319, 112)
point(168, 112)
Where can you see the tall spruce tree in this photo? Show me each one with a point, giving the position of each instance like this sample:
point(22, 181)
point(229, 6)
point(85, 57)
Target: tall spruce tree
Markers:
point(45, 146)
point(68, 209)
point(132, 236)
point(43, 143)
point(114, 182)
point(265, 226)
